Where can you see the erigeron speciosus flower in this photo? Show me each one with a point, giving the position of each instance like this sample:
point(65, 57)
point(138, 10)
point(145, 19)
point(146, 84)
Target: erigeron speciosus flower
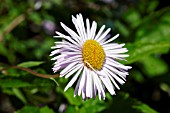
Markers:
point(90, 58)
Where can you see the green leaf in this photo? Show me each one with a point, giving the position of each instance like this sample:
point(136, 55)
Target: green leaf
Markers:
point(138, 50)
point(3, 50)
point(13, 83)
point(143, 108)
point(30, 64)
point(152, 5)
point(69, 94)
point(153, 66)
point(165, 87)
point(28, 109)
point(35, 17)
point(43, 83)
point(152, 36)
point(133, 17)
point(93, 106)
point(71, 109)
point(122, 28)
point(46, 109)
point(19, 94)
point(123, 103)
point(137, 76)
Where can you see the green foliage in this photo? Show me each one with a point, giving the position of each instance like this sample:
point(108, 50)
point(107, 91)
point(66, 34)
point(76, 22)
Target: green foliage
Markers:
point(46, 109)
point(26, 30)
point(31, 109)
point(69, 95)
point(19, 94)
point(10, 83)
point(128, 105)
point(153, 66)
point(143, 108)
point(28, 109)
point(139, 50)
point(30, 64)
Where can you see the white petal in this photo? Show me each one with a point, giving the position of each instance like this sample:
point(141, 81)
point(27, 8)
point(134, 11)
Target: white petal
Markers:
point(112, 46)
point(62, 59)
point(73, 71)
point(68, 38)
point(99, 33)
point(84, 89)
point(115, 76)
point(72, 52)
point(55, 52)
point(121, 74)
point(96, 85)
point(108, 84)
point(55, 58)
point(82, 82)
point(74, 20)
point(67, 69)
point(82, 26)
point(104, 35)
point(93, 30)
point(106, 81)
point(88, 28)
point(64, 62)
point(114, 51)
point(73, 79)
point(94, 89)
point(79, 27)
point(71, 32)
point(89, 84)
point(77, 86)
point(99, 86)
point(70, 49)
point(83, 95)
point(111, 78)
point(116, 55)
point(113, 38)
point(115, 64)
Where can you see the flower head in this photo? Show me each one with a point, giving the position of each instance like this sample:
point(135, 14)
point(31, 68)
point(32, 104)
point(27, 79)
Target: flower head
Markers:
point(90, 58)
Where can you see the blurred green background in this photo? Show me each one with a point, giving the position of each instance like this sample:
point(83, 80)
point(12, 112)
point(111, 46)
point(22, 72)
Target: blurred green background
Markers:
point(26, 35)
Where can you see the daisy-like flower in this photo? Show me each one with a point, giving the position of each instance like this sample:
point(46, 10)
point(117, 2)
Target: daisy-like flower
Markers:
point(90, 58)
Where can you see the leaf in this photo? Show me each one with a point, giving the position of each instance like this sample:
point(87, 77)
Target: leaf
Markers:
point(152, 36)
point(69, 94)
point(3, 50)
point(43, 83)
point(123, 103)
point(165, 87)
point(132, 17)
point(71, 109)
point(13, 83)
point(122, 28)
point(137, 76)
point(28, 109)
point(93, 106)
point(30, 64)
point(46, 109)
point(152, 5)
point(19, 95)
point(143, 108)
point(153, 66)
point(137, 51)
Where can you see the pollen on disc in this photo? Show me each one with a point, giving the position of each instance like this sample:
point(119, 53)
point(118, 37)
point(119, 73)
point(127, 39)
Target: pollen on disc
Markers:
point(93, 54)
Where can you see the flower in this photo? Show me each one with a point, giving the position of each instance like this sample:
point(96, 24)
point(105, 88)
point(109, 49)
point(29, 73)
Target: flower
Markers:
point(90, 58)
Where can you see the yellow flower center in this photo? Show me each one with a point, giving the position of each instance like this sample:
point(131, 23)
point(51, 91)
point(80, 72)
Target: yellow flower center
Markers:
point(93, 54)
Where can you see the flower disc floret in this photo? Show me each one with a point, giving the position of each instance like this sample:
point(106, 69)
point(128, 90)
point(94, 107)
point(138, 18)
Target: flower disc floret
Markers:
point(93, 54)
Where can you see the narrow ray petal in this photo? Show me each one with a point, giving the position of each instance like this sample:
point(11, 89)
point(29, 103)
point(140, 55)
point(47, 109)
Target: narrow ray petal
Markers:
point(99, 33)
point(73, 79)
